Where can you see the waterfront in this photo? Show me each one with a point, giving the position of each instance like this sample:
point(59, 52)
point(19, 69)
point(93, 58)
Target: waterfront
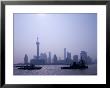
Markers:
point(56, 70)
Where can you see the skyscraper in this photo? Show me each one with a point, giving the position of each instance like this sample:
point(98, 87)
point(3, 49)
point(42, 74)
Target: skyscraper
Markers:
point(55, 59)
point(64, 53)
point(25, 59)
point(83, 56)
point(37, 43)
point(68, 58)
point(68, 55)
point(49, 59)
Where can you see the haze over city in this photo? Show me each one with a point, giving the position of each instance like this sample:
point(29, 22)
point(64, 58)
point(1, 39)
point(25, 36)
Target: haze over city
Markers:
point(75, 32)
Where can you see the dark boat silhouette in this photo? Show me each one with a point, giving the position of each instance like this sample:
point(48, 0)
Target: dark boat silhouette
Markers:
point(80, 65)
point(29, 67)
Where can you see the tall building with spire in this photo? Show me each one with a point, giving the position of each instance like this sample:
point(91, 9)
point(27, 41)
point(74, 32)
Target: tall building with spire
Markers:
point(37, 43)
point(64, 53)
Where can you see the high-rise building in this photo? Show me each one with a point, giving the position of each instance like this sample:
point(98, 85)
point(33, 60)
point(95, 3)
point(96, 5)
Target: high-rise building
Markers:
point(75, 58)
point(49, 59)
point(43, 56)
point(55, 59)
point(68, 59)
point(37, 43)
point(41, 61)
point(83, 56)
point(25, 59)
point(68, 55)
point(64, 53)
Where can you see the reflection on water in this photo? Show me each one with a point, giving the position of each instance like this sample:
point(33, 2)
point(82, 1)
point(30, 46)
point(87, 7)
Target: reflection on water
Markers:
point(56, 70)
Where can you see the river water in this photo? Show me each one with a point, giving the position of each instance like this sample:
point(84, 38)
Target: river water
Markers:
point(56, 70)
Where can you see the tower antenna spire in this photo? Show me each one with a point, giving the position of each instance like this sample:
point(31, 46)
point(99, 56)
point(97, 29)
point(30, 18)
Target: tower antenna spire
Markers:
point(37, 38)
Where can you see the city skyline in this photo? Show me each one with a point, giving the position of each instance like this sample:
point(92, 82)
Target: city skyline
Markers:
point(55, 32)
point(44, 59)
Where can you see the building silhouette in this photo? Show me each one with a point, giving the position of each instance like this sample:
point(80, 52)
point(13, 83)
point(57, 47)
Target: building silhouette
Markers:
point(37, 60)
point(43, 57)
point(25, 59)
point(64, 53)
point(68, 55)
point(83, 56)
point(75, 58)
point(68, 59)
point(55, 59)
point(37, 43)
point(49, 58)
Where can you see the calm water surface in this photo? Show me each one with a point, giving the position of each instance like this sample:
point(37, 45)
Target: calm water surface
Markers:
point(56, 70)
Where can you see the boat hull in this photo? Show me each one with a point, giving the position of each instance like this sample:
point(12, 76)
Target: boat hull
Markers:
point(28, 67)
point(78, 67)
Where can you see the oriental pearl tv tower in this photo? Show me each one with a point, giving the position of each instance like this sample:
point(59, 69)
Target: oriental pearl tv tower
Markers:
point(37, 43)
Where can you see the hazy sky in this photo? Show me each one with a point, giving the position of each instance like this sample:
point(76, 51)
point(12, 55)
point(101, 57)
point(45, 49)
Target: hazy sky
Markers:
point(75, 32)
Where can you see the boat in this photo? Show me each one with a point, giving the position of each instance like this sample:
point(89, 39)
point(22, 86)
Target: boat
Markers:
point(29, 67)
point(75, 65)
